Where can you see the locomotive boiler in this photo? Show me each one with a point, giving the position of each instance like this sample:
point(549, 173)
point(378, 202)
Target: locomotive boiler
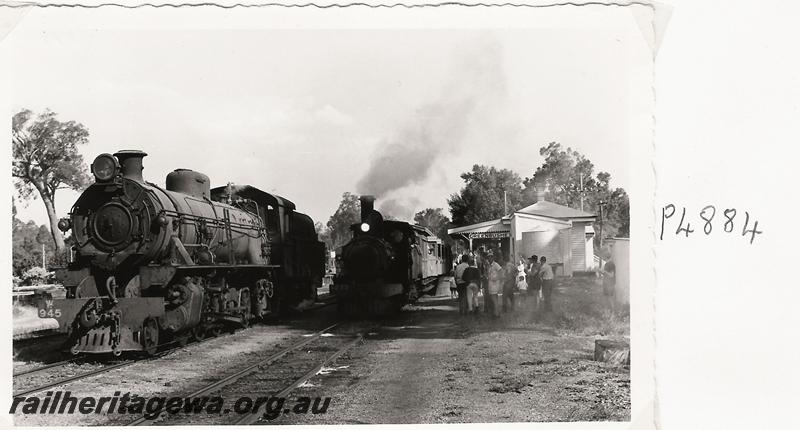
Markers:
point(387, 264)
point(151, 265)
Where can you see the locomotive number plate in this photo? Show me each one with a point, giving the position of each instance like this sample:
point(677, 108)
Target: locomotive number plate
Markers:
point(49, 311)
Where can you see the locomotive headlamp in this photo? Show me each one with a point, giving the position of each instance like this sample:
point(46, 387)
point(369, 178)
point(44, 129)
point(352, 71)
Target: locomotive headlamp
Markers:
point(64, 224)
point(364, 227)
point(105, 167)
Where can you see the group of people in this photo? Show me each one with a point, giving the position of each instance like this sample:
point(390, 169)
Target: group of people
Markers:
point(498, 277)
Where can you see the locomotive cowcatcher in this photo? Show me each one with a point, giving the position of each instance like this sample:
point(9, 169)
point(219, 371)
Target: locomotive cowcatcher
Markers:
point(387, 264)
point(151, 265)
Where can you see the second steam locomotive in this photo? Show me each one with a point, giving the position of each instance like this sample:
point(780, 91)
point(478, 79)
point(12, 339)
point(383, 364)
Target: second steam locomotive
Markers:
point(152, 265)
point(387, 264)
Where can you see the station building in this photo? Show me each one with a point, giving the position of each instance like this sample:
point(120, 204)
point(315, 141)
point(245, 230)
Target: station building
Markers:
point(562, 234)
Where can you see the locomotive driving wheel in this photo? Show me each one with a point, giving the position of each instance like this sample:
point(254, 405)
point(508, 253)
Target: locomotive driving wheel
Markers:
point(199, 332)
point(150, 336)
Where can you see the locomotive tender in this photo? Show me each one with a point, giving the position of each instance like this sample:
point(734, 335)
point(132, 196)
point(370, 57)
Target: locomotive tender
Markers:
point(387, 264)
point(153, 264)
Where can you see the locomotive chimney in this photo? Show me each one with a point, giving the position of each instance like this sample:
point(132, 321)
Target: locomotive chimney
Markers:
point(131, 162)
point(367, 206)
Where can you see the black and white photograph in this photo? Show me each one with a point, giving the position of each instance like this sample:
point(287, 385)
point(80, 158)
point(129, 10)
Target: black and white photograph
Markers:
point(324, 217)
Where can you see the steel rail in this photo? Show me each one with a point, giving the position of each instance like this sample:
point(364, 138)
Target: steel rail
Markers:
point(254, 417)
point(97, 371)
point(73, 378)
point(244, 372)
point(47, 366)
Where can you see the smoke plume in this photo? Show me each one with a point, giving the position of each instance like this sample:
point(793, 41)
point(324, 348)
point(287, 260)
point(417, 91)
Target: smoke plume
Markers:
point(408, 155)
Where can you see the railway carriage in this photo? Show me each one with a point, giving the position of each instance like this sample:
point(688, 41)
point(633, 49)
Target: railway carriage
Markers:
point(153, 264)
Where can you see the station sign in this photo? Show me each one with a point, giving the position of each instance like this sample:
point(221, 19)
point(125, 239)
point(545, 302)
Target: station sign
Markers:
point(490, 235)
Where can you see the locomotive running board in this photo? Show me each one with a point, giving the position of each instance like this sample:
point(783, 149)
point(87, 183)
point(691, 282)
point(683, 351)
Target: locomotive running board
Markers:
point(222, 266)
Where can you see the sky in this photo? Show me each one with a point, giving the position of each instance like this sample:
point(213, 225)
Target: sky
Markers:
point(312, 113)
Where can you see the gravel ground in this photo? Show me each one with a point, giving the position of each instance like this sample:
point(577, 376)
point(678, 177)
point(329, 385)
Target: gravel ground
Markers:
point(425, 365)
point(431, 366)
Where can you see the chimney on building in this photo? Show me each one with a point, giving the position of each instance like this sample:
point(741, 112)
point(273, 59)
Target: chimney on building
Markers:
point(131, 162)
point(538, 193)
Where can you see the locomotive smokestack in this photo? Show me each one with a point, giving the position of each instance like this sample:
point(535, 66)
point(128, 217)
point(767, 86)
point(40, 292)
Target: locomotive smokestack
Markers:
point(367, 206)
point(131, 162)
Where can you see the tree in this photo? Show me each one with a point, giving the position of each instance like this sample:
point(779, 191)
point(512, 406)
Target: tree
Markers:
point(482, 199)
point(46, 159)
point(26, 246)
point(562, 173)
point(323, 234)
point(435, 221)
point(347, 214)
point(561, 176)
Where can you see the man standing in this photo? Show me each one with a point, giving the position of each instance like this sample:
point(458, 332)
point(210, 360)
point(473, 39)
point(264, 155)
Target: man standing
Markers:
point(546, 274)
point(609, 282)
point(472, 279)
point(509, 285)
point(495, 276)
point(461, 285)
point(534, 281)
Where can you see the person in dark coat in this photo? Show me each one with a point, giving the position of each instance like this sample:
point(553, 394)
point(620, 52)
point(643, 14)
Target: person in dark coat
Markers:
point(534, 281)
point(472, 277)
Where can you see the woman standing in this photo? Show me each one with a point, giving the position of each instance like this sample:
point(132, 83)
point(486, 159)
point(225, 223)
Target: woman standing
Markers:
point(534, 281)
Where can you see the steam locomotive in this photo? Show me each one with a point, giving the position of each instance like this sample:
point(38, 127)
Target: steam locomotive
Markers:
point(387, 264)
point(152, 265)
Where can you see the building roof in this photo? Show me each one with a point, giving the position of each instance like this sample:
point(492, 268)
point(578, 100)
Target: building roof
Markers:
point(553, 210)
point(497, 225)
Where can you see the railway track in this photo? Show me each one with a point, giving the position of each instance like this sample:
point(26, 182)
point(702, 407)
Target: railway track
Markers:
point(250, 374)
point(58, 366)
point(54, 369)
point(55, 366)
point(255, 416)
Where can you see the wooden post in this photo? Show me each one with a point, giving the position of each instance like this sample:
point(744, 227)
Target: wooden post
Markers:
point(612, 351)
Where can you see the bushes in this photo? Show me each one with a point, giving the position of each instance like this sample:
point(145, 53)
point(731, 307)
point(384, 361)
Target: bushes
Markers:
point(36, 276)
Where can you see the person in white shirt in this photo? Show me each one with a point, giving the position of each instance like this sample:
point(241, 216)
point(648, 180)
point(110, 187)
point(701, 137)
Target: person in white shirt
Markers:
point(546, 274)
point(521, 267)
point(495, 276)
point(522, 286)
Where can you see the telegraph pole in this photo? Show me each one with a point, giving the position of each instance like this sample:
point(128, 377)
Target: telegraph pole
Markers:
point(505, 203)
point(44, 258)
point(600, 204)
point(581, 192)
